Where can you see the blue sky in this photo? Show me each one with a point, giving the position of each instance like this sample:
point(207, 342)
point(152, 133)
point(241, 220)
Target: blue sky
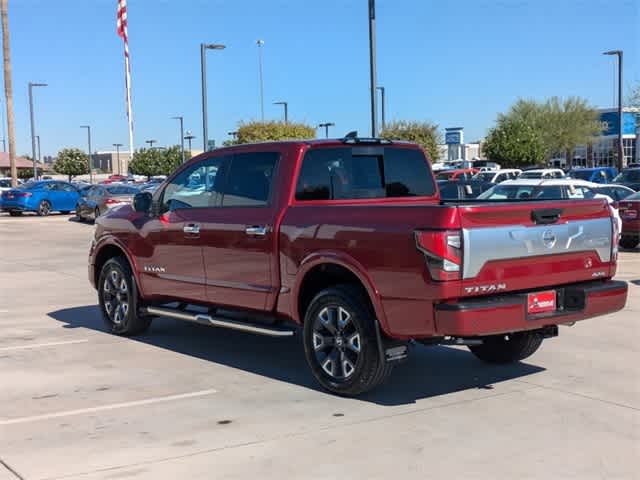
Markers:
point(454, 63)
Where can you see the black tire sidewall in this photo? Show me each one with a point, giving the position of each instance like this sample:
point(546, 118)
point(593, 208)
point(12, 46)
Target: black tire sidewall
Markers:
point(125, 326)
point(368, 362)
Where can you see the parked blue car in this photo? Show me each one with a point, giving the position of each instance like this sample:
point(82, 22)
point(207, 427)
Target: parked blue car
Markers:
point(42, 197)
point(595, 174)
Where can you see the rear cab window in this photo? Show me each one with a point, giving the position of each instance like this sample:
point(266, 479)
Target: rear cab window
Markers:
point(364, 172)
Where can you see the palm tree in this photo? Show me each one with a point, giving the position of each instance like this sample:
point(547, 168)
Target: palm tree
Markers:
point(8, 90)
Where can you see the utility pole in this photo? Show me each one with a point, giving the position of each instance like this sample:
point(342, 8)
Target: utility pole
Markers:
point(260, 43)
point(620, 116)
point(38, 145)
point(188, 137)
point(8, 90)
point(88, 127)
point(372, 66)
point(33, 127)
point(382, 107)
point(118, 145)
point(326, 128)
point(181, 135)
point(286, 110)
point(203, 73)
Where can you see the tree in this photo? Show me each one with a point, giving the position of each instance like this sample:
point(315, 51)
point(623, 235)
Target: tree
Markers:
point(542, 128)
point(71, 162)
point(272, 131)
point(8, 90)
point(515, 143)
point(633, 97)
point(156, 161)
point(425, 134)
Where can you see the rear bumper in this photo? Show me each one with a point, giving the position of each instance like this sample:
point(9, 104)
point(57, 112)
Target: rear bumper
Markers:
point(508, 313)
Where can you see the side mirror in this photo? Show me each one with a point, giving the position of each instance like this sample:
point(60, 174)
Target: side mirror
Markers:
point(142, 202)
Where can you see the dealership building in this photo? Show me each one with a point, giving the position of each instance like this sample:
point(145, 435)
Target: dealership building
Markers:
point(603, 151)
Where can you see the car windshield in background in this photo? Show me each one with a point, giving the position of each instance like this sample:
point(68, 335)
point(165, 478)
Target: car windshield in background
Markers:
point(530, 175)
point(484, 176)
point(635, 196)
point(581, 174)
point(5, 183)
point(628, 176)
point(121, 190)
point(523, 192)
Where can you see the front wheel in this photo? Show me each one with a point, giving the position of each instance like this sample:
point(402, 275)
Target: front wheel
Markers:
point(507, 348)
point(628, 242)
point(116, 293)
point(44, 208)
point(340, 342)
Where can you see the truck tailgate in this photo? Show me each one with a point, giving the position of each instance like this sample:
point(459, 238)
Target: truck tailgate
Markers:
point(529, 245)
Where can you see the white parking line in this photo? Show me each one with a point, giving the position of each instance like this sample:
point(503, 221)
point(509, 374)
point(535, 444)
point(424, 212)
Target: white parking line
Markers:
point(38, 345)
point(113, 406)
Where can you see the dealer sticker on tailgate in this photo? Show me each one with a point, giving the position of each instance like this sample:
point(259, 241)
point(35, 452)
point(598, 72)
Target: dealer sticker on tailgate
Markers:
point(541, 302)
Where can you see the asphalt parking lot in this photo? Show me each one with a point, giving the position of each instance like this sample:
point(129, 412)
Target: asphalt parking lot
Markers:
point(188, 401)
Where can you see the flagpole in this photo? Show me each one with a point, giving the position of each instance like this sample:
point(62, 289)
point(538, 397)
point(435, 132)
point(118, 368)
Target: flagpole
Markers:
point(129, 113)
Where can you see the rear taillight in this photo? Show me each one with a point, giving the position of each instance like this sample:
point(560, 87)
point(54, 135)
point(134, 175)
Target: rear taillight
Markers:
point(443, 252)
point(22, 194)
point(630, 214)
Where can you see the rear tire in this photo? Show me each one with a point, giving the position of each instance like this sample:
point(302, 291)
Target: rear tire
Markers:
point(15, 213)
point(628, 242)
point(497, 349)
point(96, 213)
point(44, 208)
point(117, 295)
point(79, 214)
point(341, 344)
point(65, 212)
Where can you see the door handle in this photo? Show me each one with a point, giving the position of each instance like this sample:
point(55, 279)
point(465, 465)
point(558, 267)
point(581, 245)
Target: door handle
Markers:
point(192, 229)
point(256, 230)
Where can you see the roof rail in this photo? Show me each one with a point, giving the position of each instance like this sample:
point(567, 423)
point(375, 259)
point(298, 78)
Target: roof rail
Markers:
point(352, 137)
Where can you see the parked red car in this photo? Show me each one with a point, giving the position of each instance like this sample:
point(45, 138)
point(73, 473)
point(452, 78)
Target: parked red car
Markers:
point(629, 209)
point(115, 179)
point(348, 242)
point(458, 174)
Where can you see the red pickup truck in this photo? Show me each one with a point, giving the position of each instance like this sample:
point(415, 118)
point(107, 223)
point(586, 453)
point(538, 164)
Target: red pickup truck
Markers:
point(629, 209)
point(348, 242)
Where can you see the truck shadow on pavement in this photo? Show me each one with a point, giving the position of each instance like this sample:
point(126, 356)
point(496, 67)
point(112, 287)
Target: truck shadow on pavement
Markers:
point(429, 371)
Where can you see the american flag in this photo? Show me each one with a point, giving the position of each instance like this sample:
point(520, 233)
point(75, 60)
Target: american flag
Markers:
point(122, 30)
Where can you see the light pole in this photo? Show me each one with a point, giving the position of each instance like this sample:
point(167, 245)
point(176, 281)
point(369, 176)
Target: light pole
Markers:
point(203, 72)
point(382, 107)
point(88, 127)
point(150, 142)
point(188, 137)
point(33, 127)
point(620, 119)
point(118, 145)
point(38, 145)
point(326, 128)
point(260, 43)
point(372, 66)
point(286, 110)
point(181, 135)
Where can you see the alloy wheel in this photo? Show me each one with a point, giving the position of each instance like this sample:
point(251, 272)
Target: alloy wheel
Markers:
point(116, 298)
point(336, 342)
point(44, 209)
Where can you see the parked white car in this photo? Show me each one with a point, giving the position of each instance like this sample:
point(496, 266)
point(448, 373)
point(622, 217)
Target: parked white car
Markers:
point(543, 173)
point(497, 176)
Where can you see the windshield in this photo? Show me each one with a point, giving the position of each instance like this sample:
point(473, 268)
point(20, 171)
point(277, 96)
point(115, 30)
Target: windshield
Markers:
point(121, 190)
point(531, 174)
point(522, 192)
point(628, 176)
point(484, 176)
point(581, 174)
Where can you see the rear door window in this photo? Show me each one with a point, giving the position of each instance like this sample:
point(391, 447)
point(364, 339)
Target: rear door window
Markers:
point(250, 179)
point(363, 172)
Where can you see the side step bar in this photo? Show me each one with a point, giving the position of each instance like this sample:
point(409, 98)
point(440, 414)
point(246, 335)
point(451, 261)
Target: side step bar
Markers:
point(222, 322)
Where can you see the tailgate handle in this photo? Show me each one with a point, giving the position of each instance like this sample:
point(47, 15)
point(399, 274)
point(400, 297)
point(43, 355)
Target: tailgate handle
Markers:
point(546, 216)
